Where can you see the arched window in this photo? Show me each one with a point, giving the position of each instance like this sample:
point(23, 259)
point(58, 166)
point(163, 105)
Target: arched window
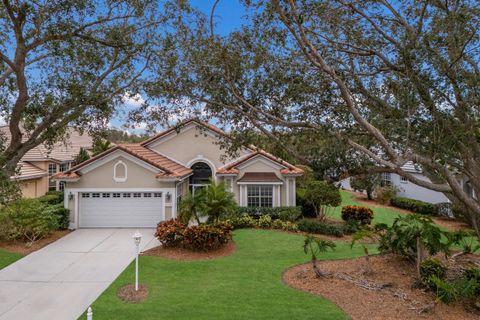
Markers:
point(120, 172)
point(202, 173)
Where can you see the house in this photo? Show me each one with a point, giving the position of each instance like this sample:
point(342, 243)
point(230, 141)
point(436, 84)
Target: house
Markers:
point(138, 185)
point(39, 164)
point(406, 188)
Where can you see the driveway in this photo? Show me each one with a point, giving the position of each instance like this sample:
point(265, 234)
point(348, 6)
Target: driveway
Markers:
point(62, 279)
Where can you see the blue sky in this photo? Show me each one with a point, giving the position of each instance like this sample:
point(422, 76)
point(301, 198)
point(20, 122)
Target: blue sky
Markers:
point(228, 17)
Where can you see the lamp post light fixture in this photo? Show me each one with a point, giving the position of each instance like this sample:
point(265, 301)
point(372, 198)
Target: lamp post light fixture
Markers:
point(137, 237)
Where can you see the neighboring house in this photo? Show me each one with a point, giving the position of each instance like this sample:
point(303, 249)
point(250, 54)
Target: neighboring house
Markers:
point(39, 164)
point(138, 185)
point(406, 188)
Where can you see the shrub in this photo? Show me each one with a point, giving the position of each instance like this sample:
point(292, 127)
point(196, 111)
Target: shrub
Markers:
point(306, 208)
point(264, 221)
point(416, 206)
point(170, 232)
point(430, 268)
point(52, 198)
point(283, 213)
point(242, 222)
point(207, 237)
point(26, 219)
point(450, 291)
point(62, 214)
point(319, 227)
point(351, 226)
point(323, 197)
point(474, 275)
point(284, 225)
point(365, 182)
point(385, 194)
point(363, 215)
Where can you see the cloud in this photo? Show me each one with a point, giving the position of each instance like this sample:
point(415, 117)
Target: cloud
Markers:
point(133, 101)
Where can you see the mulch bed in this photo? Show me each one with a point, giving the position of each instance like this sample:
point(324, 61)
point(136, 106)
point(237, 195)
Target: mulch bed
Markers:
point(381, 291)
point(24, 249)
point(182, 254)
point(128, 294)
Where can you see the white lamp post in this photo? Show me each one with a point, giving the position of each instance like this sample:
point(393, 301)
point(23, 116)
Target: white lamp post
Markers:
point(137, 237)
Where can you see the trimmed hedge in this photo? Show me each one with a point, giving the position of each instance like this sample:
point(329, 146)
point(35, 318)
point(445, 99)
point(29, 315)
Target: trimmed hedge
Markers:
point(416, 206)
point(282, 213)
point(318, 227)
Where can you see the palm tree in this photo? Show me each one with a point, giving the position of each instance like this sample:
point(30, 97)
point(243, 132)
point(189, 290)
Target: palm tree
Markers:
point(189, 207)
point(316, 246)
point(217, 201)
point(100, 145)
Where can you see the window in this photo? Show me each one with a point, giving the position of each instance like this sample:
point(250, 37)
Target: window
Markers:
point(116, 195)
point(147, 195)
point(52, 185)
point(157, 194)
point(127, 195)
point(137, 195)
point(386, 179)
point(403, 179)
point(120, 172)
point(61, 185)
point(95, 195)
point(105, 195)
point(259, 196)
point(85, 195)
point(64, 166)
point(52, 169)
point(202, 173)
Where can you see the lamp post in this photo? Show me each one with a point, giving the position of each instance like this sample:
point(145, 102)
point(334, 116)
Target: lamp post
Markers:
point(137, 237)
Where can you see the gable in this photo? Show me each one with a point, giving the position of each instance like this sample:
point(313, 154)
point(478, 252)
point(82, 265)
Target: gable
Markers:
point(192, 142)
point(259, 164)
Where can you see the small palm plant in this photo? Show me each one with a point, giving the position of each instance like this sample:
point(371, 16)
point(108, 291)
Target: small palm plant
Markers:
point(316, 246)
point(190, 207)
point(217, 201)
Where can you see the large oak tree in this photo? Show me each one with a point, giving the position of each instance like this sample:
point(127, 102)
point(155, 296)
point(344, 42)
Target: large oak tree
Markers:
point(397, 81)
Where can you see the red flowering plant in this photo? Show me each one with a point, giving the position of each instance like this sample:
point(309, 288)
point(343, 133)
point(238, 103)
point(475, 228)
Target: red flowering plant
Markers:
point(359, 214)
point(207, 237)
point(170, 232)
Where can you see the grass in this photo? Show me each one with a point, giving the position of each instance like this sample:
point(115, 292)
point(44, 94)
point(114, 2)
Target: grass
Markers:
point(380, 214)
point(246, 285)
point(7, 258)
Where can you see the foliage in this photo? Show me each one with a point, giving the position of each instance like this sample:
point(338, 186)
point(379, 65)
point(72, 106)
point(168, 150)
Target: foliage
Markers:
point(264, 221)
point(429, 268)
point(284, 225)
point(385, 194)
point(413, 236)
point(80, 157)
point(319, 227)
point(365, 182)
point(52, 198)
point(473, 274)
point(100, 145)
point(189, 207)
point(323, 197)
point(307, 209)
point(465, 240)
point(207, 237)
point(451, 291)
point(62, 214)
point(315, 246)
point(170, 232)
point(362, 215)
point(241, 222)
point(26, 219)
point(306, 178)
point(216, 201)
point(282, 213)
point(413, 205)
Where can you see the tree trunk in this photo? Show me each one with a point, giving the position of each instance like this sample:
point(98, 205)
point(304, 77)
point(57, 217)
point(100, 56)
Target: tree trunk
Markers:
point(317, 271)
point(420, 255)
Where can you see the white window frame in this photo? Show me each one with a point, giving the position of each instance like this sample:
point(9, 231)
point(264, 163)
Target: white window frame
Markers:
point(260, 195)
point(115, 177)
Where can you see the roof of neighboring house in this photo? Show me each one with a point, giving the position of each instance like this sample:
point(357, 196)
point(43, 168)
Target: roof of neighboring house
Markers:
point(412, 167)
point(168, 167)
point(231, 168)
point(259, 177)
point(60, 151)
point(29, 171)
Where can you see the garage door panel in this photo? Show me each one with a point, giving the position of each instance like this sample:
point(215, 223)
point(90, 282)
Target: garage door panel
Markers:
point(121, 209)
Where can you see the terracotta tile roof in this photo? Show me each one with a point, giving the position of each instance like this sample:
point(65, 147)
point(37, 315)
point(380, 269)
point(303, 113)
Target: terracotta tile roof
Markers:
point(231, 168)
point(168, 167)
point(28, 171)
point(260, 177)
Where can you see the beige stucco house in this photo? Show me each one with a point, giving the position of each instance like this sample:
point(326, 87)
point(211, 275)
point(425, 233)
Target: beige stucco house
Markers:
point(38, 165)
point(138, 185)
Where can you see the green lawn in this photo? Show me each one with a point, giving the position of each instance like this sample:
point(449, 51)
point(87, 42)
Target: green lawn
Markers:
point(246, 285)
point(7, 258)
point(380, 215)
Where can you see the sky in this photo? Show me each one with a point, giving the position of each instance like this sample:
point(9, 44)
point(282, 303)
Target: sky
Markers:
point(228, 17)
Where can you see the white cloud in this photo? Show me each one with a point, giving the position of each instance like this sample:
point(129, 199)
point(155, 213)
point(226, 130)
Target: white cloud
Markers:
point(133, 101)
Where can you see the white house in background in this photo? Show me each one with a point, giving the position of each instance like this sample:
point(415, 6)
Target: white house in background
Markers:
point(406, 188)
point(139, 185)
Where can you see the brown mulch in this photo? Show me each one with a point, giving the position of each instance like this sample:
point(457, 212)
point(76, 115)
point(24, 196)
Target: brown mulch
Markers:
point(24, 248)
point(357, 291)
point(128, 294)
point(182, 254)
point(450, 224)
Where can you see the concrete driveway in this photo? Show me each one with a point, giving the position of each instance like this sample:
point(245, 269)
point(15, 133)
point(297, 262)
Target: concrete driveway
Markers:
point(62, 279)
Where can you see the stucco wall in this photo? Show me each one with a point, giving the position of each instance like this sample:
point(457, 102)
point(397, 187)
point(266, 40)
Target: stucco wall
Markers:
point(34, 188)
point(410, 190)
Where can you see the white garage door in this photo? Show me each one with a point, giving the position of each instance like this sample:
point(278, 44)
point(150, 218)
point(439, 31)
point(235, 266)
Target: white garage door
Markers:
point(120, 209)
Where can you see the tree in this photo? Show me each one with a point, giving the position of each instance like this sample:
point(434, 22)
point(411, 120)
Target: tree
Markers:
point(68, 63)
point(316, 246)
point(100, 145)
point(365, 182)
point(216, 201)
point(323, 197)
point(396, 81)
point(81, 157)
point(189, 207)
